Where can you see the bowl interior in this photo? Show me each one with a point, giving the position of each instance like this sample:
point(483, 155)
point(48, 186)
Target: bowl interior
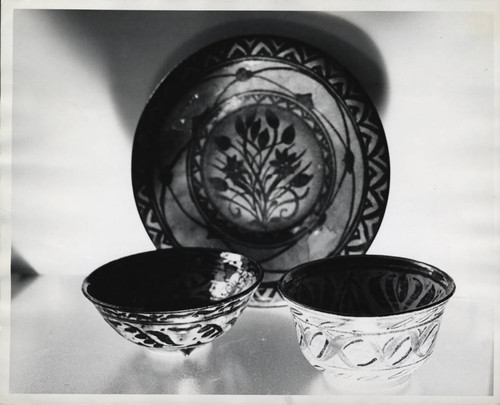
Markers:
point(366, 285)
point(172, 279)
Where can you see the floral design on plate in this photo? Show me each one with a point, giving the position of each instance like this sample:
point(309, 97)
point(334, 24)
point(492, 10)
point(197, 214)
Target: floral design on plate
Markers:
point(262, 175)
point(263, 146)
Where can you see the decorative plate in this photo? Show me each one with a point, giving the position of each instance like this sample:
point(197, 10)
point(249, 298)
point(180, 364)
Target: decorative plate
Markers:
point(263, 146)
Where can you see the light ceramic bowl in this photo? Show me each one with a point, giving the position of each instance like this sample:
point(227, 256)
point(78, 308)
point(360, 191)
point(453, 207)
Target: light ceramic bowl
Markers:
point(173, 299)
point(367, 322)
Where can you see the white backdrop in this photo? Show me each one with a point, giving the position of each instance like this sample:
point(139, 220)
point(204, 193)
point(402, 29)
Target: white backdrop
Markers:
point(82, 78)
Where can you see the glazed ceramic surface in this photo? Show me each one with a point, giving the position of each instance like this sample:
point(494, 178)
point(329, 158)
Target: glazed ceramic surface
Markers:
point(263, 146)
point(367, 320)
point(173, 299)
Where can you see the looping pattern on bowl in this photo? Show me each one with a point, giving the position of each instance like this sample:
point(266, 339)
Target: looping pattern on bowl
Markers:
point(345, 347)
point(367, 318)
point(175, 330)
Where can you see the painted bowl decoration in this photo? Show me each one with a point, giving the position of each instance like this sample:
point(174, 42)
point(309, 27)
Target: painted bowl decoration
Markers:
point(173, 299)
point(367, 321)
point(264, 146)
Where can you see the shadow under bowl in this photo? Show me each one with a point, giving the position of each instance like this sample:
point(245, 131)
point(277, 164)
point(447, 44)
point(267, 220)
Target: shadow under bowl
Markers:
point(367, 321)
point(173, 299)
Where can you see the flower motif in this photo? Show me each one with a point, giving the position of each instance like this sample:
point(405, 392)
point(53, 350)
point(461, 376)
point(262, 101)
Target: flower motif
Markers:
point(234, 169)
point(285, 164)
point(259, 168)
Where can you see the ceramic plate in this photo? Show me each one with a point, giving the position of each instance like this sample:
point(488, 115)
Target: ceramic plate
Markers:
point(264, 146)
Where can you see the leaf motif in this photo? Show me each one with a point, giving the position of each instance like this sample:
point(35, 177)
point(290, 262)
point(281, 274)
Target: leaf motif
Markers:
point(223, 142)
point(300, 180)
point(288, 135)
point(210, 331)
point(219, 184)
point(239, 126)
point(162, 337)
point(280, 155)
point(250, 117)
point(272, 119)
point(263, 139)
point(254, 129)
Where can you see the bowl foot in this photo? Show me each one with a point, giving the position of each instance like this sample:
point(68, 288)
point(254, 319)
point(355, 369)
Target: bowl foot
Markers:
point(177, 353)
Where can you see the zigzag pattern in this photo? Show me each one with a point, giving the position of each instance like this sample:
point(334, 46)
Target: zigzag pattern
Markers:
point(150, 220)
point(364, 115)
point(326, 70)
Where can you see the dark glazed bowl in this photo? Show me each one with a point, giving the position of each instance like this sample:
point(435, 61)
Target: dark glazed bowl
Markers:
point(173, 299)
point(367, 321)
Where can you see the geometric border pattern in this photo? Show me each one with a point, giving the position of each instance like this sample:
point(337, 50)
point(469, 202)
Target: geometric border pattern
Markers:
point(313, 62)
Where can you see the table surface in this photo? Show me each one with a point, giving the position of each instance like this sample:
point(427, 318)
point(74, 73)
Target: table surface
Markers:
point(60, 344)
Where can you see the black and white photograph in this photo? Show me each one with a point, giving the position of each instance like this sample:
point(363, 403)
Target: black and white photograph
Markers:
point(249, 202)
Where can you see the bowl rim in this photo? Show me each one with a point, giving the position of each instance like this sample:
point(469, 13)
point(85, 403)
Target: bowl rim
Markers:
point(310, 267)
point(86, 282)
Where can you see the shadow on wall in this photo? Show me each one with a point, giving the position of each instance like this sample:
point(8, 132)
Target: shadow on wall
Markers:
point(136, 49)
point(22, 273)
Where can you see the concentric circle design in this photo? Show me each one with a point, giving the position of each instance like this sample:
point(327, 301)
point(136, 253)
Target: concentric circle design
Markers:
point(259, 172)
point(264, 146)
